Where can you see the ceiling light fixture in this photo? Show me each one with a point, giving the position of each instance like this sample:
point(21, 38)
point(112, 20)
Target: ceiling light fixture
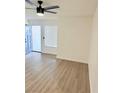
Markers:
point(40, 14)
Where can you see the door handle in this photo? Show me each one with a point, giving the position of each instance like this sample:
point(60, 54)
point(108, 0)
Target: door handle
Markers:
point(43, 37)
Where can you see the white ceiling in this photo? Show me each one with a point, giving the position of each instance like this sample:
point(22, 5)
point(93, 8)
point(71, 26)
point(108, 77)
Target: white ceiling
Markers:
point(67, 8)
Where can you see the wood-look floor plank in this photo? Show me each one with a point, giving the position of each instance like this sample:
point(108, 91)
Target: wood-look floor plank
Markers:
point(46, 74)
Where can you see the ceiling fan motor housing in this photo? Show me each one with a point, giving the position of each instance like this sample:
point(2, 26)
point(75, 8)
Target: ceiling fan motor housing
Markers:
point(40, 9)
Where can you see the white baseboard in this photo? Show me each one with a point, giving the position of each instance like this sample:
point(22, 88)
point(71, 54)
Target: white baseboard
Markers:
point(71, 59)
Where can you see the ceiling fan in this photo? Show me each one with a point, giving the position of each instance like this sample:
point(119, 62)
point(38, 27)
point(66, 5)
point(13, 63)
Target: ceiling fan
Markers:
point(40, 10)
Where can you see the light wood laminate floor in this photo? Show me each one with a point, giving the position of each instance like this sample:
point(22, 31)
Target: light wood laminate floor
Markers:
point(45, 74)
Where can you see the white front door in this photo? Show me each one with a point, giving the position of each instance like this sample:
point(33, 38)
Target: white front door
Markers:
point(50, 40)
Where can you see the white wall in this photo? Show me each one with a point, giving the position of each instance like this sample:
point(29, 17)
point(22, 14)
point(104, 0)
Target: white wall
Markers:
point(93, 55)
point(73, 38)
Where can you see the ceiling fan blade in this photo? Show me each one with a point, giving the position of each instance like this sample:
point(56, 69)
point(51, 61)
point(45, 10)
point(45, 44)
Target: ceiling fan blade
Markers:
point(31, 8)
point(51, 12)
point(51, 7)
point(31, 3)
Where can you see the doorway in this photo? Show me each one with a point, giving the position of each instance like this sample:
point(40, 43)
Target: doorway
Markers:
point(41, 39)
point(32, 39)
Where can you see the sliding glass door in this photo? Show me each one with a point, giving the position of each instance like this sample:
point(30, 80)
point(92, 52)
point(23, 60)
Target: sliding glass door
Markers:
point(28, 40)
